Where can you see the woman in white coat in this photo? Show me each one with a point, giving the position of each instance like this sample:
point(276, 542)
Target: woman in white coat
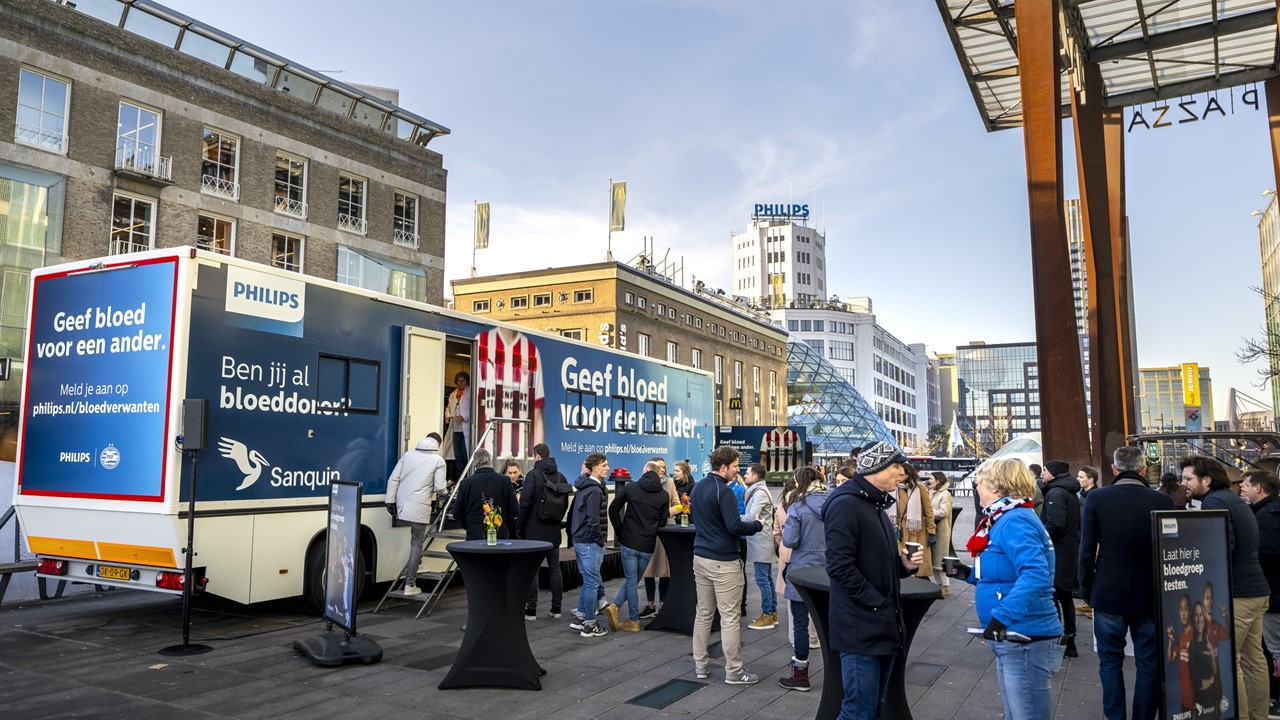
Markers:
point(458, 414)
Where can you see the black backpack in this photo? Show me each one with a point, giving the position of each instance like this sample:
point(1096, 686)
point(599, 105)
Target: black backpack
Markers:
point(554, 501)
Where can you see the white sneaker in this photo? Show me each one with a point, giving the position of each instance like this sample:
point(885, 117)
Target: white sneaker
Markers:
point(742, 678)
point(411, 590)
point(701, 673)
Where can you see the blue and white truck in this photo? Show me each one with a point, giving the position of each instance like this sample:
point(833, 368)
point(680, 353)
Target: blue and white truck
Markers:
point(306, 381)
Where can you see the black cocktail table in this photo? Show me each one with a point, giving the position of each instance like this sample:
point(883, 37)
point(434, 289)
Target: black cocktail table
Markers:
point(815, 588)
point(681, 601)
point(495, 647)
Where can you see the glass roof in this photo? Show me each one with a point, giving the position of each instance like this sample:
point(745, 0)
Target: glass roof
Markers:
point(836, 417)
point(1147, 50)
point(160, 24)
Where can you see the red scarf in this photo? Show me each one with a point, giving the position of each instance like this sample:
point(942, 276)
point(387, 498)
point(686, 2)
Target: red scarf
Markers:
point(978, 542)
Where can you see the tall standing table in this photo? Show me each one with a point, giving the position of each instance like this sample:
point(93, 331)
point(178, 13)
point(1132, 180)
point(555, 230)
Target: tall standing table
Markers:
point(681, 601)
point(495, 647)
point(815, 589)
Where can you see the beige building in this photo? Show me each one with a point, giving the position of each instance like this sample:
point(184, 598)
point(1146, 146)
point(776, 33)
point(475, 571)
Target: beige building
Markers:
point(618, 306)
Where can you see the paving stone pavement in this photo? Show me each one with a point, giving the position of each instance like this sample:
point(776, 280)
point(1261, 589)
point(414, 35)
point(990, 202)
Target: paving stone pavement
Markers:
point(96, 655)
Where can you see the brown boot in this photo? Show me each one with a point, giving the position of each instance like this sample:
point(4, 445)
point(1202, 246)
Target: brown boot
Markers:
point(799, 679)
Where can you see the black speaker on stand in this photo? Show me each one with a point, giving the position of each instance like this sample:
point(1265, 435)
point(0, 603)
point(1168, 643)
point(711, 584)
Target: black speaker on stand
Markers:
point(194, 414)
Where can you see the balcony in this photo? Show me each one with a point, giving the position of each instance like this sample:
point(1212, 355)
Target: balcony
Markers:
point(406, 238)
point(142, 160)
point(291, 207)
point(39, 137)
point(120, 246)
point(217, 186)
point(354, 224)
point(204, 242)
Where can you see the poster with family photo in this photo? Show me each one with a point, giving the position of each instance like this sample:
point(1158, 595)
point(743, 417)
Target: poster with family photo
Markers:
point(1193, 606)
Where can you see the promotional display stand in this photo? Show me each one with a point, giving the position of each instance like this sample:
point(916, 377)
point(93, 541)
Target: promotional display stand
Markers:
point(331, 649)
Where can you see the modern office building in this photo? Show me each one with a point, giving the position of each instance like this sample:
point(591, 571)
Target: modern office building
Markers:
point(1074, 218)
point(640, 310)
point(948, 392)
point(1269, 247)
point(997, 393)
point(780, 256)
point(136, 127)
point(836, 417)
point(1163, 400)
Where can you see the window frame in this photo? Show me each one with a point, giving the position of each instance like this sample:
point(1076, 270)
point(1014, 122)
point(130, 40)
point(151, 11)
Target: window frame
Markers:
point(286, 204)
point(347, 362)
point(481, 306)
point(64, 136)
point(138, 161)
point(231, 240)
point(584, 295)
point(134, 199)
point(572, 334)
point(673, 351)
point(215, 184)
point(404, 230)
point(358, 223)
point(300, 252)
point(542, 300)
point(642, 344)
point(519, 302)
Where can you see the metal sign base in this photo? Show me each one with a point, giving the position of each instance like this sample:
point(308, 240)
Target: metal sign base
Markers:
point(333, 649)
point(185, 649)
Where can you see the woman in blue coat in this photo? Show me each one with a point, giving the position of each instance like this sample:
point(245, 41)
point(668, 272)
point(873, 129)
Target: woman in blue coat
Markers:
point(805, 534)
point(1013, 571)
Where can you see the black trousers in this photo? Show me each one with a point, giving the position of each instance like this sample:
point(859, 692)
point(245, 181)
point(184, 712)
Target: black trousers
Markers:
point(1066, 610)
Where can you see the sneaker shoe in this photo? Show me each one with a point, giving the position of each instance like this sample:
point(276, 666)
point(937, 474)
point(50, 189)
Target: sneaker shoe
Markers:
point(593, 631)
point(611, 612)
point(629, 626)
point(701, 673)
point(530, 614)
point(1273, 711)
point(601, 604)
point(766, 621)
point(742, 678)
point(577, 624)
point(411, 590)
point(647, 612)
point(555, 613)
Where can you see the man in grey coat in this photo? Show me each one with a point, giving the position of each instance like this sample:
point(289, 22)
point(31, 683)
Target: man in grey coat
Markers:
point(411, 490)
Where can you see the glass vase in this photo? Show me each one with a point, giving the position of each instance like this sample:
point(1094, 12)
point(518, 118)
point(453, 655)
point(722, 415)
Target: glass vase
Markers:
point(684, 520)
point(491, 536)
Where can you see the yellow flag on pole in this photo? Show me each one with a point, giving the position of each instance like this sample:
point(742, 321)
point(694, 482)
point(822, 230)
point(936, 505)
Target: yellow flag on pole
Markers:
point(482, 225)
point(618, 207)
point(1191, 384)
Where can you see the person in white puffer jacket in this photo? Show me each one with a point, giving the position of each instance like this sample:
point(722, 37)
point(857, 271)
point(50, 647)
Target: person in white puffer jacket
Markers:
point(411, 490)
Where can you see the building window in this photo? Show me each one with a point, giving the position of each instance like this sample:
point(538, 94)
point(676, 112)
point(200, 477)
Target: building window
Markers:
point(542, 300)
point(642, 344)
point(291, 185)
point(132, 224)
point(773, 384)
point(642, 302)
point(719, 370)
point(480, 306)
point(629, 298)
point(519, 302)
point(697, 323)
point(671, 313)
point(405, 220)
point(583, 296)
point(688, 320)
point(572, 334)
point(755, 382)
point(351, 200)
point(660, 309)
point(138, 142)
point(216, 234)
point(673, 352)
point(696, 358)
point(220, 165)
point(42, 111)
point(721, 331)
point(737, 375)
point(286, 252)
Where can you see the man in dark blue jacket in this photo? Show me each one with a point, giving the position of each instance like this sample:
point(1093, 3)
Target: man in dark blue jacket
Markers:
point(588, 543)
point(1206, 480)
point(866, 570)
point(1260, 489)
point(1117, 580)
point(717, 567)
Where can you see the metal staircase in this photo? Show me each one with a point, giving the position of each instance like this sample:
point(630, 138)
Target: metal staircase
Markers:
point(438, 568)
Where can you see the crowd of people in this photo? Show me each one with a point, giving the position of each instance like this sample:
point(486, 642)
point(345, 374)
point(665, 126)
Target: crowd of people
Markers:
point(1044, 537)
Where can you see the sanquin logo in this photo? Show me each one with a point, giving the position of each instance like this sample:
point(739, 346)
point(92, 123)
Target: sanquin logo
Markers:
point(277, 304)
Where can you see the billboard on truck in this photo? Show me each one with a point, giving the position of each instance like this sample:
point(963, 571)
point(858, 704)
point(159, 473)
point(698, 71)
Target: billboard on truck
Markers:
point(308, 382)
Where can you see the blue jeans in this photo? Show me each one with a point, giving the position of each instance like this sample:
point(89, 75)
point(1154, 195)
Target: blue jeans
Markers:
point(866, 682)
point(764, 581)
point(1109, 629)
point(633, 564)
point(417, 532)
point(1024, 673)
point(589, 557)
point(799, 630)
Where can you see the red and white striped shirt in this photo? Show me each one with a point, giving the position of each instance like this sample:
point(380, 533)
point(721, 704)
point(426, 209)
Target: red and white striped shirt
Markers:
point(508, 386)
point(780, 450)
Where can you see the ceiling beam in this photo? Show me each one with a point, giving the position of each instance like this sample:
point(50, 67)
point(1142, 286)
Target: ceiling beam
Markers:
point(1182, 36)
point(1170, 91)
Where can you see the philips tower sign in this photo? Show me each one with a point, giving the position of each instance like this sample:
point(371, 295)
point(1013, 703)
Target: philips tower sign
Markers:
point(781, 211)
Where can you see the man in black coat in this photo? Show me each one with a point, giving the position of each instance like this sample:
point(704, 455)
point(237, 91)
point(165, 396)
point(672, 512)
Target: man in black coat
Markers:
point(1061, 517)
point(636, 513)
point(530, 526)
point(866, 570)
point(1259, 489)
point(1117, 579)
point(483, 484)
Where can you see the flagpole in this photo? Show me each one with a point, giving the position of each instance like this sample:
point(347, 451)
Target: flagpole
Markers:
point(608, 253)
point(475, 219)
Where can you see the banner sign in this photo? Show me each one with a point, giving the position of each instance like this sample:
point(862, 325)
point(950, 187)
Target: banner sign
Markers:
point(98, 356)
point(482, 226)
point(1191, 384)
point(618, 207)
point(779, 449)
point(780, 211)
point(1193, 610)
point(343, 543)
point(1195, 108)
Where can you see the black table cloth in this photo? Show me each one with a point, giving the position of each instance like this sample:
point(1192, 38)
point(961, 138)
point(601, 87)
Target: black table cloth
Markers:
point(681, 601)
point(495, 647)
point(815, 588)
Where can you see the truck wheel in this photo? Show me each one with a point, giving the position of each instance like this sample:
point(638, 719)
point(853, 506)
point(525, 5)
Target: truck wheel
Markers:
point(314, 578)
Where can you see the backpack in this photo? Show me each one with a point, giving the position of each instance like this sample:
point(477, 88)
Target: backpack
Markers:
point(554, 501)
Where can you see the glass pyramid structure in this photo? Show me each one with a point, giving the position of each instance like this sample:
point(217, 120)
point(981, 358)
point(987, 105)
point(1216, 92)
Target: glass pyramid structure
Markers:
point(834, 414)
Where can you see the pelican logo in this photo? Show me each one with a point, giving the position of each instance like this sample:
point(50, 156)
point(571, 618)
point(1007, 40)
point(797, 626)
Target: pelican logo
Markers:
point(249, 461)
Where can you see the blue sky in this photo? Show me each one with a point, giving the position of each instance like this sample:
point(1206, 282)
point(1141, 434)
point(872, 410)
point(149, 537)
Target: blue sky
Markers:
point(703, 107)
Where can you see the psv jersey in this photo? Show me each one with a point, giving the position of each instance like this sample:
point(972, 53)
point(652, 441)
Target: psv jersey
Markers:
point(780, 450)
point(508, 386)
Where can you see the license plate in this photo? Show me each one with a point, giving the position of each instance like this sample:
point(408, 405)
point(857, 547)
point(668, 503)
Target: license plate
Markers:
point(114, 573)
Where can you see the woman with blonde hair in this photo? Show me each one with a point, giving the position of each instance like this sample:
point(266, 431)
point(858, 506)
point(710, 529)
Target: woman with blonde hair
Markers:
point(940, 496)
point(1013, 574)
point(914, 517)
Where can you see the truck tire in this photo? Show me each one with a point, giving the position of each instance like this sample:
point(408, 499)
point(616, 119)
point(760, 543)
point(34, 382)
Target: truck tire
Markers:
point(314, 578)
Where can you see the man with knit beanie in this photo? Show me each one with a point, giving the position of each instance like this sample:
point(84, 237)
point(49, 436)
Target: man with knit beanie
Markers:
point(1061, 517)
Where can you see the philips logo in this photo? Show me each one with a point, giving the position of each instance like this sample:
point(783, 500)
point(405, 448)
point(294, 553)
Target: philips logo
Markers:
point(74, 457)
point(1169, 526)
point(262, 301)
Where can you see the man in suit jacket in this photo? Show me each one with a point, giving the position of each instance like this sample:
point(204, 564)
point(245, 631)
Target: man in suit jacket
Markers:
point(1117, 579)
